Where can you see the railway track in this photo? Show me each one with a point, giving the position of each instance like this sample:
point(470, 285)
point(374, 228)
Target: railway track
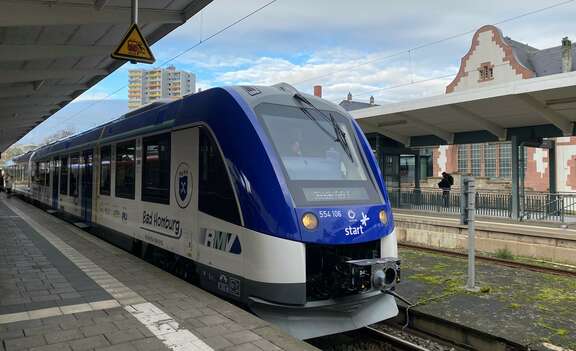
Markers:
point(508, 263)
point(395, 342)
point(376, 338)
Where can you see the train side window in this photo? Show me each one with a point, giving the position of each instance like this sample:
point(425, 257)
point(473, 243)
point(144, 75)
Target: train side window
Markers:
point(64, 175)
point(125, 169)
point(156, 169)
point(74, 174)
point(105, 169)
point(36, 173)
point(215, 194)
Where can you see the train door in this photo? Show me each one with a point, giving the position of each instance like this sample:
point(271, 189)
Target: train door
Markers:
point(55, 181)
point(86, 194)
point(184, 198)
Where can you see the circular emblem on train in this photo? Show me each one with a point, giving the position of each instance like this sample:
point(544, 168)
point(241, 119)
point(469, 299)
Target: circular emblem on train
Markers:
point(351, 214)
point(183, 191)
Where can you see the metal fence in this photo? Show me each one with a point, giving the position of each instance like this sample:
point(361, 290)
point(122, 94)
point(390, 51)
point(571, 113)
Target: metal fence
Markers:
point(535, 206)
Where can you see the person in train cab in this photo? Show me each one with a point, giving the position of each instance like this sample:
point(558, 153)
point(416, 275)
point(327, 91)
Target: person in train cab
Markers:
point(1, 180)
point(296, 146)
point(445, 184)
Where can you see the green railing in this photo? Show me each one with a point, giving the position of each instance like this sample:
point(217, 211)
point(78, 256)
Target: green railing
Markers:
point(536, 206)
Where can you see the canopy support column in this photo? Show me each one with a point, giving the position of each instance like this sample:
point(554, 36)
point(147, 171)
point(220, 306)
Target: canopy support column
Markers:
point(552, 167)
point(515, 177)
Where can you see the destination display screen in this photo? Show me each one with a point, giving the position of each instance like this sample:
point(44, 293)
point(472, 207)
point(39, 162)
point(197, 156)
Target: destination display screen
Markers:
point(335, 194)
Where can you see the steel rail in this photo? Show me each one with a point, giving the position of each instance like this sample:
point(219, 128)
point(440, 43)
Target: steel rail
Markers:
point(508, 263)
point(393, 340)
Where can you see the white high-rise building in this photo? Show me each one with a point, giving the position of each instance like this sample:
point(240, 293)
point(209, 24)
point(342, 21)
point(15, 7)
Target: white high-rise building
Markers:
point(146, 86)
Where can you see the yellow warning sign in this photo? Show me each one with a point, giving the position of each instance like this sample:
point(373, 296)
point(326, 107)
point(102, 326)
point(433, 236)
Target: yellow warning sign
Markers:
point(134, 47)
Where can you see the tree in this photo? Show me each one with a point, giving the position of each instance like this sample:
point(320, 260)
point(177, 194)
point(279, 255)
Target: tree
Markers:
point(19, 149)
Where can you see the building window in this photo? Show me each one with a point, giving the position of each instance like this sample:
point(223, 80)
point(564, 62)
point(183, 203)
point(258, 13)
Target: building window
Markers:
point(486, 72)
point(156, 169)
point(463, 159)
point(505, 163)
point(490, 160)
point(64, 175)
point(476, 159)
point(105, 169)
point(125, 169)
point(74, 174)
point(215, 194)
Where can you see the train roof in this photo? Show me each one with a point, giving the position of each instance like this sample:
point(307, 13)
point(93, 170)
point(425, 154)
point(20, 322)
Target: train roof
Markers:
point(163, 114)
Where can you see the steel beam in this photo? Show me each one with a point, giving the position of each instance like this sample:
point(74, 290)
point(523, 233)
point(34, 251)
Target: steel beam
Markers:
point(33, 100)
point(439, 132)
point(370, 128)
point(561, 122)
point(479, 121)
point(23, 13)
point(99, 4)
point(13, 76)
point(195, 7)
point(45, 91)
point(10, 110)
point(45, 52)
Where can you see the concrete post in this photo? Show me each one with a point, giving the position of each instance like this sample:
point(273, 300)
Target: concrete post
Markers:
point(515, 178)
point(469, 214)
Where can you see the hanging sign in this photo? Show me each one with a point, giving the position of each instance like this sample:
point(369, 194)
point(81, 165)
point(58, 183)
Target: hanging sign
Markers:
point(134, 47)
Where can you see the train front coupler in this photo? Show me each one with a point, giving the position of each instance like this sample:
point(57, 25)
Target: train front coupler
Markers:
point(378, 273)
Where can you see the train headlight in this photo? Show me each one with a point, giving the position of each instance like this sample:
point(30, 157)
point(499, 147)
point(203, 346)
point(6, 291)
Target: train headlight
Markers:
point(310, 221)
point(383, 217)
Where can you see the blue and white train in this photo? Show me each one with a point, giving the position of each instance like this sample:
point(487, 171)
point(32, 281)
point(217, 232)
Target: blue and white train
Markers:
point(267, 196)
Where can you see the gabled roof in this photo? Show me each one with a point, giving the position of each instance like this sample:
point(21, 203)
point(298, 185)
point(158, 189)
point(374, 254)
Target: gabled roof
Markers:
point(541, 62)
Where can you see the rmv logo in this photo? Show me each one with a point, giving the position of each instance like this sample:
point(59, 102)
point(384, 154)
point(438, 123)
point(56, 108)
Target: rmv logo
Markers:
point(227, 242)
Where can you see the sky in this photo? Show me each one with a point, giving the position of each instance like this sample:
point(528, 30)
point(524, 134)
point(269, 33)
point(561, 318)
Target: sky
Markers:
point(392, 50)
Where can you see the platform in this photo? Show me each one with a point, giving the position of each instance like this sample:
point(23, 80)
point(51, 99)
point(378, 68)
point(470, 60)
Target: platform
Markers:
point(63, 289)
point(526, 307)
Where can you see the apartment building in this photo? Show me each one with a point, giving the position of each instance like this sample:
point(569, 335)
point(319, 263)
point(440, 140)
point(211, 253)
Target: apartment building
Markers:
point(146, 86)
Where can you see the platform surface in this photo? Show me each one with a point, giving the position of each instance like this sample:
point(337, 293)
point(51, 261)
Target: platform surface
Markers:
point(528, 307)
point(63, 289)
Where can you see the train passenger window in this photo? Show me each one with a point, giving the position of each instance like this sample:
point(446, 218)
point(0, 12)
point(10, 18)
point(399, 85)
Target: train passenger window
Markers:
point(215, 194)
point(64, 176)
point(105, 169)
point(125, 169)
point(36, 173)
point(156, 169)
point(74, 174)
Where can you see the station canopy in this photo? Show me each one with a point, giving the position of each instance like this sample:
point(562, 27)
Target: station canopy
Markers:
point(51, 51)
point(531, 109)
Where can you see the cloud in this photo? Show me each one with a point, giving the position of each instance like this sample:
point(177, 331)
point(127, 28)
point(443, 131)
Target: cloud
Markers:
point(341, 71)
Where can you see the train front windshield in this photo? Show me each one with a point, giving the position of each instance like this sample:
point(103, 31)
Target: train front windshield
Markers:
point(319, 154)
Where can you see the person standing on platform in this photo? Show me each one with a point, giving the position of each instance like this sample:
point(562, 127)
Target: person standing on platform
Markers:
point(446, 184)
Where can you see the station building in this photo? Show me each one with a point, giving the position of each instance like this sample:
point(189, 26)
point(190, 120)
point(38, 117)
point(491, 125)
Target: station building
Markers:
point(491, 60)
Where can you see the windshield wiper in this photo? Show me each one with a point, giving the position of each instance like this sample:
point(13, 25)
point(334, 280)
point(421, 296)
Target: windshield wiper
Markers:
point(340, 137)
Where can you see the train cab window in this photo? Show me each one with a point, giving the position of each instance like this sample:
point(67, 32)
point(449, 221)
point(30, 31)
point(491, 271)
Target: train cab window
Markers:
point(156, 169)
point(105, 169)
point(215, 194)
point(125, 169)
point(64, 175)
point(74, 174)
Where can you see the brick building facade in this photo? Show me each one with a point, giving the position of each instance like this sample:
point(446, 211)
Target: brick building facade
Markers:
point(495, 59)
